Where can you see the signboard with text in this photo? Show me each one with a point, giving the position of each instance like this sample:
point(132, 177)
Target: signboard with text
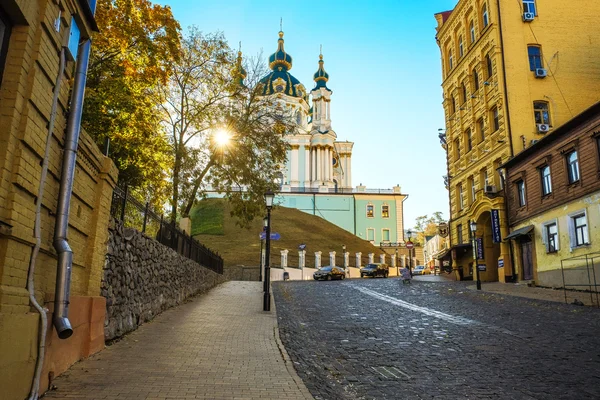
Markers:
point(496, 237)
point(501, 263)
point(479, 241)
point(481, 267)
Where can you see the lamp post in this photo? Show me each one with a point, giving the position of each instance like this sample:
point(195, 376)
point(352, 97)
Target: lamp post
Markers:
point(344, 255)
point(397, 267)
point(409, 234)
point(269, 196)
point(473, 231)
point(260, 270)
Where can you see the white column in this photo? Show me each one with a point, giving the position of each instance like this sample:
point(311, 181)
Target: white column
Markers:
point(332, 258)
point(346, 259)
point(301, 258)
point(307, 161)
point(319, 165)
point(327, 164)
point(358, 259)
point(294, 166)
point(284, 258)
point(371, 258)
point(382, 258)
point(394, 260)
point(317, 259)
point(349, 169)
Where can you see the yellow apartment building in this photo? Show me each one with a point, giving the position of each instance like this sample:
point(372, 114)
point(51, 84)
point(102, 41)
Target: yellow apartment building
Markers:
point(35, 110)
point(512, 71)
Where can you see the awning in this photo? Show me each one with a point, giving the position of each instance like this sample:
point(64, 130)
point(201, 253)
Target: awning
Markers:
point(520, 232)
point(446, 253)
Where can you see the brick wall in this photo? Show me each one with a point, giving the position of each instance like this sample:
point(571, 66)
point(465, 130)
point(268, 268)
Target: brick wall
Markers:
point(25, 104)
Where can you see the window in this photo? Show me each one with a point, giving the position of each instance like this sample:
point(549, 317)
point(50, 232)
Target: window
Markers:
point(529, 6)
point(500, 180)
point(475, 81)
point(461, 197)
point(459, 234)
point(484, 15)
point(469, 139)
point(385, 235)
point(488, 63)
point(456, 149)
point(598, 145)
point(481, 129)
point(573, 167)
point(541, 113)
point(535, 57)
point(371, 234)
point(452, 105)
point(495, 119)
point(4, 37)
point(521, 193)
point(472, 183)
point(450, 60)
point(546, 180)
point(578, 229)
point(464, 93)
point(472, 30)
point(385, 211)
point(550, 236)
point(369, 211)
point(483, 178)
point(461, 50)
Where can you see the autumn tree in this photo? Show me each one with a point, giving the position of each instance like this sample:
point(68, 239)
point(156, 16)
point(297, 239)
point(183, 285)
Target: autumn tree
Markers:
point(132, 54)
point(427, 226)
point(204, 95)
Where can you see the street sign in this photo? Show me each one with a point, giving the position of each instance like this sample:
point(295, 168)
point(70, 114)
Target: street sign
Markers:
point(481, 267)
point(409, 245)
point(443, 230)
point(274, 236)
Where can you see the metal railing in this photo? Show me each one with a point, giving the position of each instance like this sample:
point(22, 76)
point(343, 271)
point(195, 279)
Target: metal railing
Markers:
point(582, 273)
point(135, 214)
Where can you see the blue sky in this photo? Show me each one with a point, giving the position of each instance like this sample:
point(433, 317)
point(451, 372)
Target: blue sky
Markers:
point(384, 70)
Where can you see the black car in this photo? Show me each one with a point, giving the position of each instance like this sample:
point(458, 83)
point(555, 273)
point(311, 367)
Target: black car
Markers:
point(375, 269)
point(329, 272)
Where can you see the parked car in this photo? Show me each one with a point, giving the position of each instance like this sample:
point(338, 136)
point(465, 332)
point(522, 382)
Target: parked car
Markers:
point(328, 273)
point(419, 270)
point(375, 269)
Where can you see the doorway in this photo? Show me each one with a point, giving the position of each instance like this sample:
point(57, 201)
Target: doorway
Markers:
point(527, 258)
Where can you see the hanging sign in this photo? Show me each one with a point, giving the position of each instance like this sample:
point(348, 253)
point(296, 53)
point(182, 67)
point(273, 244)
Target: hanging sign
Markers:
point(479, 242)
point(443, 229)
point(496, 226)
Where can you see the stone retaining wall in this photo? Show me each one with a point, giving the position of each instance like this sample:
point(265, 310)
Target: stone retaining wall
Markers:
point(142, 278)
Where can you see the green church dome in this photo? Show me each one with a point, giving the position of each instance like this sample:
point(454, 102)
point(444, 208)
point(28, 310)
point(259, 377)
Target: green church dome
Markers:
point(280, 80)
point(321, 77)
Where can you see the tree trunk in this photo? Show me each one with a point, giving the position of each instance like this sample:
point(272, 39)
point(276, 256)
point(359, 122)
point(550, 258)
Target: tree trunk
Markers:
point(190, 203)
point(176, 171)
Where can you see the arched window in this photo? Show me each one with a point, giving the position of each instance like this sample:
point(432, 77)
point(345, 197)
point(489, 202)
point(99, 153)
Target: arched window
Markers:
point(475, 80)
point(490, 69)
point(464, 93)
point(472, 31)
point(450, 60)
point(461, 50)
point(485, 18)
point(452, 105)
point(298, 118)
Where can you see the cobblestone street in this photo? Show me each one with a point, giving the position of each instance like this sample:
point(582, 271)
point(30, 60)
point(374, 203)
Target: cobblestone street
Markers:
point(379, 339)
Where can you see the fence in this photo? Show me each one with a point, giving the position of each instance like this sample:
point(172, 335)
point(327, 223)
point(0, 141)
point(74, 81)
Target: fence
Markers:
point(582, 273)
point(135, 214)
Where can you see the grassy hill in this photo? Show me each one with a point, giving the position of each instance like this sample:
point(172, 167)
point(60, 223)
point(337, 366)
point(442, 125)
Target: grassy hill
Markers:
point(213, 226)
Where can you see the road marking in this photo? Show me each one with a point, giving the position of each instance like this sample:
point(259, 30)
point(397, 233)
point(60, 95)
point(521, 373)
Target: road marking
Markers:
point(427, 311)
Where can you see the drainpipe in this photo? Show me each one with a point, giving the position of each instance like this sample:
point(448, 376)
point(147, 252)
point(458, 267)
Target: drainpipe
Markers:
point(65, 254)
point(507, 114)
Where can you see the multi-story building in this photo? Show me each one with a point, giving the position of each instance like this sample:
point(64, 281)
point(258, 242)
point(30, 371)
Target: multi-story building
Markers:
point(553, 194)
point(512, 72)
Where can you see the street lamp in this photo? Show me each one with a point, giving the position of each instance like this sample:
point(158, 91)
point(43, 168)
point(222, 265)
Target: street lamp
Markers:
point(473, 231)
point(269, 196)
point(344, 255)
point(409, 234)
point(260, 271)
point(397, 267)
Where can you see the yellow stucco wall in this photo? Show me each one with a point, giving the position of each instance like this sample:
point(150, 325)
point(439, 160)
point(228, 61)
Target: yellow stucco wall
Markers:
point(25, 103)
point(547, 266)
point(568, 38)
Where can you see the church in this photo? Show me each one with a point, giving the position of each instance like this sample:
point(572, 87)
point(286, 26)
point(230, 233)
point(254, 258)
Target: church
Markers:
point(317, 177)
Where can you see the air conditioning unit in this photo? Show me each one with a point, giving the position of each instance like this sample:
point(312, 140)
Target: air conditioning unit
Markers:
point(489, 189)
point(534, 141)
point(543, 128)
point(540, 72)
point(528, 17)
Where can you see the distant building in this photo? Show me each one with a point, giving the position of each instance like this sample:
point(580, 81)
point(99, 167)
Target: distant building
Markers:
point(317, 178)
point(512, 72)
point(553, 192)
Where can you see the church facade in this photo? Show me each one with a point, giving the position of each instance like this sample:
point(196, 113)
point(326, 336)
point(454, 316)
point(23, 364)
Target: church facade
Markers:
point(317, 177)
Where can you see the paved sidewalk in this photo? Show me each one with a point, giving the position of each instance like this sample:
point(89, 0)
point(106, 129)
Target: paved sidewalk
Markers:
point(539, 293)
point(221, 345)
